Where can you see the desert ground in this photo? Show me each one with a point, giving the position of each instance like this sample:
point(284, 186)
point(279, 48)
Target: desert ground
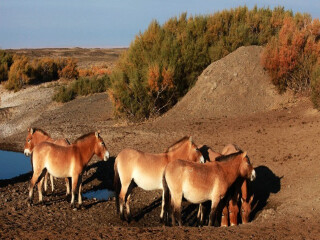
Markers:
point(233, 101)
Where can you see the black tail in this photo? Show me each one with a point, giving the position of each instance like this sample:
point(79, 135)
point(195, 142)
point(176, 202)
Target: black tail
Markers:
point(166, 199)
point(116, 185)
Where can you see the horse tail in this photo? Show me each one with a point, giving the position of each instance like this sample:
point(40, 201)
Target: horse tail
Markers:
point(166, 193)
point(117, 185)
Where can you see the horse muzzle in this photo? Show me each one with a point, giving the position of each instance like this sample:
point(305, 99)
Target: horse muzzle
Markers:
point(106, 156)
point(253, 175)
point(27, 152)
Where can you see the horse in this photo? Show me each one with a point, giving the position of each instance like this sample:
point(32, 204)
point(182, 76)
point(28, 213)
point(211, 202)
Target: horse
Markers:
point(36, 136)
point(146, 170)
point(66, 161)
point(198, 183)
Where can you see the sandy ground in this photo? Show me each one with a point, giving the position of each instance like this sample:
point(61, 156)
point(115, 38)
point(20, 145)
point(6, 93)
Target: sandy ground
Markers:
point(283, 144)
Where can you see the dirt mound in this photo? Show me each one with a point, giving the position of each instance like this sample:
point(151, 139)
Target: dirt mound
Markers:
point(235, 85)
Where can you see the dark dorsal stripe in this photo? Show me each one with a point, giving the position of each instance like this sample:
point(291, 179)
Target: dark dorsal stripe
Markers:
point(224, 158)
point(177, 144)
point(41, 131)
point(83, 137)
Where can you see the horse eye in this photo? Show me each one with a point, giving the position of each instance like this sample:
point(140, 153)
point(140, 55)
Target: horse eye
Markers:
point(29, 140)
point(242, 210)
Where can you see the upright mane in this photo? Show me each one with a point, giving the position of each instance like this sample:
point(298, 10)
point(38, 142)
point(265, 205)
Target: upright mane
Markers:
point(41, 131)
point(83, 137)
point(177, 144)
point(224, 158)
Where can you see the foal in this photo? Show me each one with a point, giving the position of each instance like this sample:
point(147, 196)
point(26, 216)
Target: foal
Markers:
point(146, 170)
point(202, 182)
point(36, 136)
point(66, 161)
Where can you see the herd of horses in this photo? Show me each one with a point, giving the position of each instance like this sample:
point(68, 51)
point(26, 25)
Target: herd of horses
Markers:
point(184, 170)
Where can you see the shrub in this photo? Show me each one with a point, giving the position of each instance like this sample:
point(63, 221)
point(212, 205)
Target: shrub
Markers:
point(44, 70)
point(19, 73)
point(80, 87)
point(68, 68)
point(180, 50)
point(6, 61)
point(292, 56)
point(315, 87)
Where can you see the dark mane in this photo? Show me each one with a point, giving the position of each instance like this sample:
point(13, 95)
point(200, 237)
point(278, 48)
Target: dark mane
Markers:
point(177, 144)
point(225, 158)
point(41, 131)
point(83, 137)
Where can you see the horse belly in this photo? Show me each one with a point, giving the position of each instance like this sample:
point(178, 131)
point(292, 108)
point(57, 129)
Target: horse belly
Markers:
point(147, 181)
point(193, 195)
point(58, 171)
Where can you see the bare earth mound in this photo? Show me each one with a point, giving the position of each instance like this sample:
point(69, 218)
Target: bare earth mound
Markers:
point(235, 85)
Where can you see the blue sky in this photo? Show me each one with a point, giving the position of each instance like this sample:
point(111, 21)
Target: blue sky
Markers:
point(105, 23)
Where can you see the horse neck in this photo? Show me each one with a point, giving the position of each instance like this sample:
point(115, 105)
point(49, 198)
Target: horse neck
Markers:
point(231, 169)
point(244, 189)
point(178, 153)
point(38, 138)
point(86, 150)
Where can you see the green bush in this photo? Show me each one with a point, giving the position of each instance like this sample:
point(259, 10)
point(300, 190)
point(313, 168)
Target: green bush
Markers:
point(163, 62)
point(6, 61)
point(315, 87)
point(81, 87)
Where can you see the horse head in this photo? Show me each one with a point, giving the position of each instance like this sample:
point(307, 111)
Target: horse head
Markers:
point(100, 148)
point(246, 168)
point(246, 209)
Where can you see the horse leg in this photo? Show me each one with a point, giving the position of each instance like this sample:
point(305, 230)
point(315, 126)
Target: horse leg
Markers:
point(40, 183)
point(51, 180)
point(68, 186)
point(46, 182)
point(80, 188)
point(162, 207)
point(200, 215)
point(74, 188)
point(176, 209)
point(36, 174)
point(214, 204)
point(122, 197)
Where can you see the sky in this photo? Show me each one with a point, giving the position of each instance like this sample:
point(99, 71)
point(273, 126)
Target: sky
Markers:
point(106, 23)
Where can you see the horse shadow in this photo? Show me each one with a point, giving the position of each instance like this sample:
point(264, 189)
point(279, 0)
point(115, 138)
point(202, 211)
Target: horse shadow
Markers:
point(104, 173)
point(19, 179)
point(266, 182)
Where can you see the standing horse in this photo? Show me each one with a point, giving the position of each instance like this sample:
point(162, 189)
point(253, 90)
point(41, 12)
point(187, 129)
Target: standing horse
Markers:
point(202, 182)
point(66, 161)
point(36, 136)
point(146, 170)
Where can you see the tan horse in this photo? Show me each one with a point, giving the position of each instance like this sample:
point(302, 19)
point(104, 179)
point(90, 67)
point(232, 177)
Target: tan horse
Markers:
point(146, 170)
point(66, 161)
point(36, 136)
point(203, 182)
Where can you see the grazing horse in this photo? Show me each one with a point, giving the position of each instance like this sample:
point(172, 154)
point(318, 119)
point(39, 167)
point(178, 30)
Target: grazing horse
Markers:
point(146, 170)
point(66, 161)
point(202, 182)
point(36, 136)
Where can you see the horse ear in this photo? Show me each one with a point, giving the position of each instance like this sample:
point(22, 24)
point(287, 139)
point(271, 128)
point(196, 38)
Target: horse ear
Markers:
point(31, 131)
point(244, 154)
point(251, 198)
point(97, 134)
point(190, 139)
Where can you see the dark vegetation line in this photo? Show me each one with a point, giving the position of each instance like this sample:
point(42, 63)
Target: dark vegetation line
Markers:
point(163, 62)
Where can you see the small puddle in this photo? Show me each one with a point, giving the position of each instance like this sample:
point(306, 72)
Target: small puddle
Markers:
point(13, 164)
point(103, 194)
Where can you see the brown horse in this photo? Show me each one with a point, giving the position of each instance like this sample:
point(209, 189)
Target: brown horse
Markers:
point(202, 182)
point(36, 136)
point(66, 161)
point(146, 170)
